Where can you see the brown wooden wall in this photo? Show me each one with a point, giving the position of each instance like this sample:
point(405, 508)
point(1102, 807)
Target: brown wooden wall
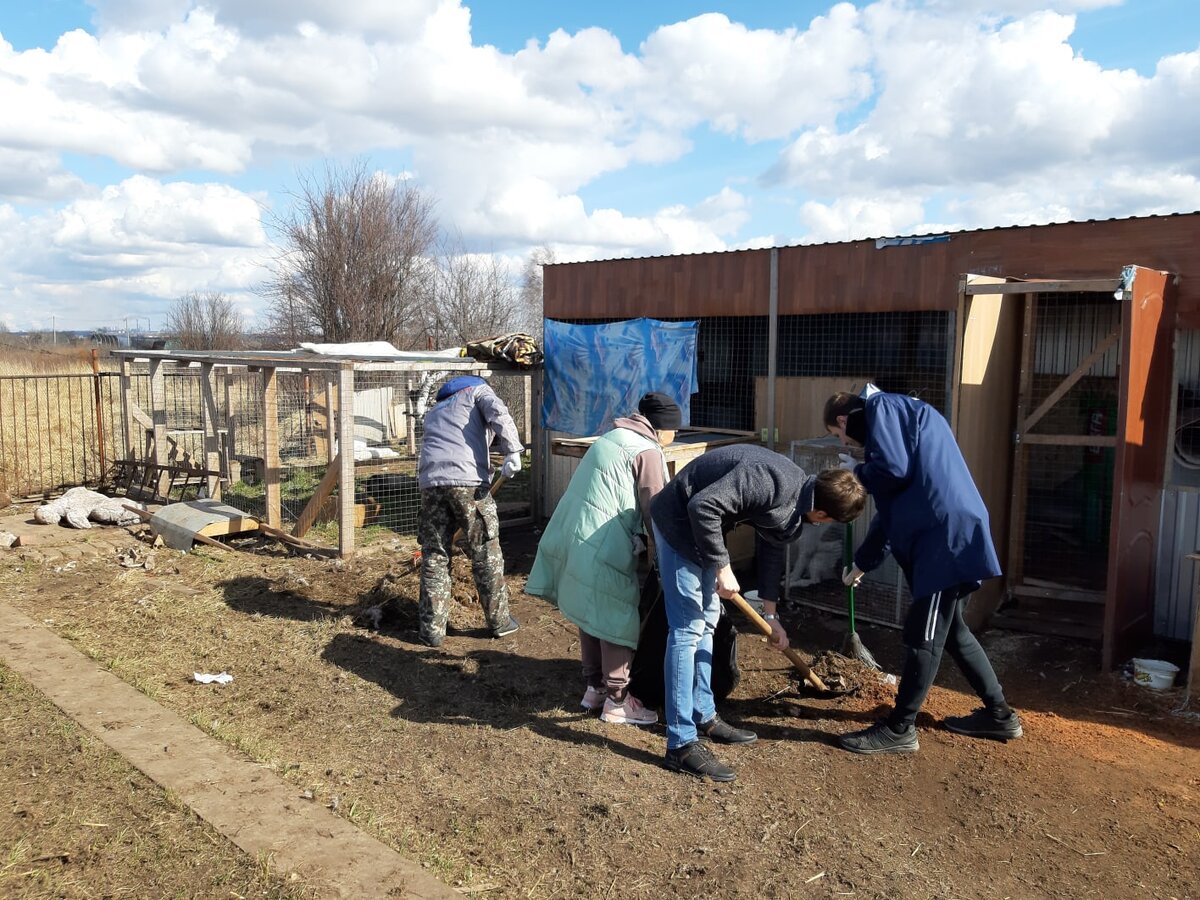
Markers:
point(856, 277)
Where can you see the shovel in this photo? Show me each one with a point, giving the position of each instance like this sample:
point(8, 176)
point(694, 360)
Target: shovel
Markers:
point(797, 660)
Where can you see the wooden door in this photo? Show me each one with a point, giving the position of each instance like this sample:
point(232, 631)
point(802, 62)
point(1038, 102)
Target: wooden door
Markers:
point(1147, 369)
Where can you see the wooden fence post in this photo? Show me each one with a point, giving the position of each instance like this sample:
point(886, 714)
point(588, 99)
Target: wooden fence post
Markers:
point(158, 419)
point(99, 416)
point(212, 437)
point(346, 455)
point(271, 467)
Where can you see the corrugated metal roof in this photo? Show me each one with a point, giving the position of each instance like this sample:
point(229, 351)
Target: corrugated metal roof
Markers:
point(864, 240)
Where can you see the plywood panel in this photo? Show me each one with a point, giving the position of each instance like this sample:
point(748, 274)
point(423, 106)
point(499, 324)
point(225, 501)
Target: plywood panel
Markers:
point(800, 405)
point(985, 416)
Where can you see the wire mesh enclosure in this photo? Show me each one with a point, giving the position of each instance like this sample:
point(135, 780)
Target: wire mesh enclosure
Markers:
point(818, 355)
point(1067, 489)
point(815, 561)
point(57, 431)
point(270, 436)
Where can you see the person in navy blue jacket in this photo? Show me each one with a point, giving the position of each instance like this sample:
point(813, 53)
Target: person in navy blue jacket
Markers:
point(930, 517)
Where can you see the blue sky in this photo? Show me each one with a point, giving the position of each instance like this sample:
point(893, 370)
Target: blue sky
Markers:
point(147, 155)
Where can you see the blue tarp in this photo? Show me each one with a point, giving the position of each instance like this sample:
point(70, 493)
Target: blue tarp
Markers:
point(594, 373)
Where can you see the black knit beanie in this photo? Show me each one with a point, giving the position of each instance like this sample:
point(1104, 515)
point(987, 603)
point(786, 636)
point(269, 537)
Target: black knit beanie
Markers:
point(663, 412)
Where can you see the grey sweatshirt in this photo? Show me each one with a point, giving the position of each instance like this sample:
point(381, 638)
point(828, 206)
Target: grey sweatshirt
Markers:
point(726, 487)
point(458, 433)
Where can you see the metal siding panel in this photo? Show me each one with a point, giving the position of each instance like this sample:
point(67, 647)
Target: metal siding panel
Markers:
point(1175, 584)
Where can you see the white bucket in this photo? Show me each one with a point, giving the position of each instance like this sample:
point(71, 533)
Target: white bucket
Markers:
point(1156, 674)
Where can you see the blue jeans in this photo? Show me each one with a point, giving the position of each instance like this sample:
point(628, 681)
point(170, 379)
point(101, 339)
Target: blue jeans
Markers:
point(692, 607)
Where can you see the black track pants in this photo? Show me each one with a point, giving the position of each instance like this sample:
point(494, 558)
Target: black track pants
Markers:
point(934, 624)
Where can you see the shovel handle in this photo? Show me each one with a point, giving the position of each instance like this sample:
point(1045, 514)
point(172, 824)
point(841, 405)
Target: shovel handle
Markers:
point(761, 624)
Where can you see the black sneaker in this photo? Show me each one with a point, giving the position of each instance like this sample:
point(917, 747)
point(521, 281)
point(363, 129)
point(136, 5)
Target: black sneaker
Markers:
point(696, 759)
point(983, 723)
point(505, 630)
point(880, 738)
point(719, 731)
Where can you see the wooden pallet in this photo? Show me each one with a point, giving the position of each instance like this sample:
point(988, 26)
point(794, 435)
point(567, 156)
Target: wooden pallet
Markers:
point(149, 481)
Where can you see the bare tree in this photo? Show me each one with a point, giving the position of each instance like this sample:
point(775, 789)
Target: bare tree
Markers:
point(531, 304)
point(473, 297)
point(205, 321)
point(355, 261)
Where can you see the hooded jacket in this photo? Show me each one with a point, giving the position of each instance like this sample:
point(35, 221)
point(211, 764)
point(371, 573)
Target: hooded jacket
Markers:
point(929, 514)
point(728, 486)
point(585, 559)
point(458, 433)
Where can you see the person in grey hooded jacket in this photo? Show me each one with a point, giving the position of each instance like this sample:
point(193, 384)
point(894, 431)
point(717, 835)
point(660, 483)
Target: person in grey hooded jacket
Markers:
point(454, 473)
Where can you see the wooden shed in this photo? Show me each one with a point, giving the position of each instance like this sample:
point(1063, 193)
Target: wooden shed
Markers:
point(1051, 349)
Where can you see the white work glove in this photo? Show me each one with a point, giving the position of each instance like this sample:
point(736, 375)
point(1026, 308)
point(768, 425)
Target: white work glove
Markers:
point(851, 576)
point(511, 466)
point(846, 461)
point(639, 545)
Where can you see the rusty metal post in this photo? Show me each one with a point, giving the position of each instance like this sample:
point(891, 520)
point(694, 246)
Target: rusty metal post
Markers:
point(99, 412)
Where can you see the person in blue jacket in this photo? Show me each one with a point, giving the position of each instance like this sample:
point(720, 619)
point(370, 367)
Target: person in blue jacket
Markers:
point(930, 517)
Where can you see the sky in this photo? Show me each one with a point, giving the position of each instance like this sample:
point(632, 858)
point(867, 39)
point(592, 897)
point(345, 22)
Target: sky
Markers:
point(148, 148)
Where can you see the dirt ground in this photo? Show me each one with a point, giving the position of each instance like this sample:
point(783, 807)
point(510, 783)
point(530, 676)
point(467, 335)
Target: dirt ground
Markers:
point(475, 759)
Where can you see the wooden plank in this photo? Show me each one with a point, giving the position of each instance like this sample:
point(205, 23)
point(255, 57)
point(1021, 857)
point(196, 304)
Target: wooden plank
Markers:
point(230, 526)
point(1020, 482)
point(212, 438)
point(1055, 592)
point(345, 401)
point(1080, 286)
point(127, 410)
point(309, 514)
point(1070, 381)
point(800, 405)
point(1070, 440)
point(202, 538)
point(985, 373)
point(679, 450)
point(1052, 626)
point(272, 470)
point(158, 413)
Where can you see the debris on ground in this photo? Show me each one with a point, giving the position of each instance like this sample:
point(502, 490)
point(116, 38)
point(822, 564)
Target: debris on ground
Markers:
point(8, 539)
point(206, 678)
point(81, 507)
point(133, 558)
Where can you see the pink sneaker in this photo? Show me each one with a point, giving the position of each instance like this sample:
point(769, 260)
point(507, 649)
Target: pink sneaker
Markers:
point(631, 712)
point(593, 698)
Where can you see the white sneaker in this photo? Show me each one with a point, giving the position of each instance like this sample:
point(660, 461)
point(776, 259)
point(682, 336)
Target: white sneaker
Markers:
point(593, 698)
point(631, 712)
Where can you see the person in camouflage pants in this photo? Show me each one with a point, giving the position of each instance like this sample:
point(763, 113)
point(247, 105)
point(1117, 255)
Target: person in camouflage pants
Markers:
point(453, 473)
point(445, 510)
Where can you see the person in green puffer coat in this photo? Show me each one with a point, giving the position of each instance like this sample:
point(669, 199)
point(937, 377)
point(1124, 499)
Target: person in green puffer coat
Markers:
point(587, 558)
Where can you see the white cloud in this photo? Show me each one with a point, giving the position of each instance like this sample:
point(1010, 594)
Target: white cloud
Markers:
point(975, 112)
point(855, 217)
point(140, 242)
point(1001, 125)
point(759, 83)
